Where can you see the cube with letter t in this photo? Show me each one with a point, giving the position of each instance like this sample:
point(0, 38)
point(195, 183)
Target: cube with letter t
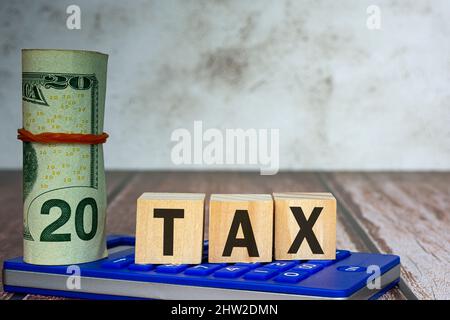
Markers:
point(169, 228)
point(240, 228)
point(305, 226)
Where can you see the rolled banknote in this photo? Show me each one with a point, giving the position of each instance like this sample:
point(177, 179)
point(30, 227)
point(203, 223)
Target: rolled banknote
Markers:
point(64, 199)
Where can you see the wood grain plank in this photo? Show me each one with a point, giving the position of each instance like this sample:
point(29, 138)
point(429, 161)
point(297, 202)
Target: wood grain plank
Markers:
point(5, 296)
point(115, 181)
point(11, 219)
point(407, 214)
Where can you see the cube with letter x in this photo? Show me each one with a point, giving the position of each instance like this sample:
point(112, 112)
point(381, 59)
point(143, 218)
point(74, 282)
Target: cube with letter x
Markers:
point(240, 228)
point(305, 226)
point(169, 228)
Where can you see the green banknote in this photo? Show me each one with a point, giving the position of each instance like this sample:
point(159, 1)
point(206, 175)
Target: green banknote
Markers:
point(64, 198)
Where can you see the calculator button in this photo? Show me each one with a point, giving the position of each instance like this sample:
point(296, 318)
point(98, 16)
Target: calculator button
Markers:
point(118, 263)
point(291, 276)
point(250, 265)
point(140, 267)
point(203, 269)
point(260, 274)
point(342, 254)
point(351, 268)
point(323, 263)
point(281, 265)
point(231, 272)
point(171, 268)
point(308, 267)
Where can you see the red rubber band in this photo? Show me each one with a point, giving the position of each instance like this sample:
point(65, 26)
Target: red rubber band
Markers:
point(50, 137)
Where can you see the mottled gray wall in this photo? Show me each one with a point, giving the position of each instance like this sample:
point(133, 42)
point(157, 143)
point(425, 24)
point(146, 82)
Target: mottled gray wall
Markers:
point(343, 96)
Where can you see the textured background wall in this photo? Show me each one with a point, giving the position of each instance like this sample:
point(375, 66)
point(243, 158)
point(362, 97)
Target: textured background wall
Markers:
point(343, 96)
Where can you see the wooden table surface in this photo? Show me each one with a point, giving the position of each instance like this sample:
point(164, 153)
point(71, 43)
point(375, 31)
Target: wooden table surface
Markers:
point(407, 214)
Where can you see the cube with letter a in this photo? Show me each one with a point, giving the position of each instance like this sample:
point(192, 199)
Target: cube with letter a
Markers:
point(240, 228)
point(169, 228)
point(305, 226)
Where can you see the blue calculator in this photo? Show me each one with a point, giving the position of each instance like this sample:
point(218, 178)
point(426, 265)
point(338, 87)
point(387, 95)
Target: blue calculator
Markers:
point(352, 275)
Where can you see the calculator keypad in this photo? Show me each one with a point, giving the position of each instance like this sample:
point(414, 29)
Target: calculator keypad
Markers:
point(292, 276)
point(308, 267)
point(281, 265)
point(141, 267)
point(231, 272)
point(250, 265)
point(279, 271)
point(339, 278)
point(203, 269)
point(342, 254)
point(351, 269)
point(323, 263)
point(260, 274)
point(117, 263)
point(171, 268)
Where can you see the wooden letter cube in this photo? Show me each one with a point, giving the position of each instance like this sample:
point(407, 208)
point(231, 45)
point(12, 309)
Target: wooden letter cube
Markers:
point(240, 228)
point(169, 228)
point(305, 226)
